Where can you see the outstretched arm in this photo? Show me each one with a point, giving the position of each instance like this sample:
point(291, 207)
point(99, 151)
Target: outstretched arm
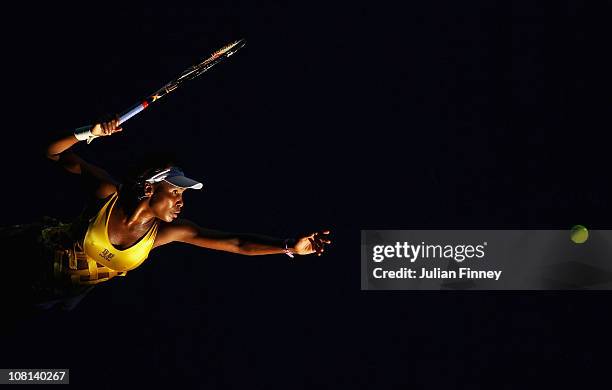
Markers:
point(245, 244)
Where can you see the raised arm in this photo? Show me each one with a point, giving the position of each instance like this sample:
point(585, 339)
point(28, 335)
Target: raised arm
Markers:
point(60, 151)
point(241, 243)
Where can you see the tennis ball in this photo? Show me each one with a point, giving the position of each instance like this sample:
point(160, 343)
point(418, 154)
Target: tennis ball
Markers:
point(579, 234)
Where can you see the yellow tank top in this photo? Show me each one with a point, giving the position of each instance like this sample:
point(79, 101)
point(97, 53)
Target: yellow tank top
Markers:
point(97, 245)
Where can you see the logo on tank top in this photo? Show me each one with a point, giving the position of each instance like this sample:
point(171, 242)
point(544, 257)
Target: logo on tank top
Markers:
point(106, 255)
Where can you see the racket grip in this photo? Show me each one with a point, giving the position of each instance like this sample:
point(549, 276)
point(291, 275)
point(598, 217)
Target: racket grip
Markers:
point(133, 111)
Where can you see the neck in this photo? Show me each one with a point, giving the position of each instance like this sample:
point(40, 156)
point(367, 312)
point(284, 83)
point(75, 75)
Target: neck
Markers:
point(135, 215)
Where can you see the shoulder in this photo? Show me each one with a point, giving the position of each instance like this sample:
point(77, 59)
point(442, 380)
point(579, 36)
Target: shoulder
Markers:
point(106, 189)
point(93, 204)
point(178, 225)
point(177, 230)
point(97, 181)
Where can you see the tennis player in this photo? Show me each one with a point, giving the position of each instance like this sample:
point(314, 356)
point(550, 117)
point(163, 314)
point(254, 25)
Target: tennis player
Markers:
point(60, 263)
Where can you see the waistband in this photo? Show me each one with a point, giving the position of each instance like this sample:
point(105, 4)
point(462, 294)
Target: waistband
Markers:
point(81, 269)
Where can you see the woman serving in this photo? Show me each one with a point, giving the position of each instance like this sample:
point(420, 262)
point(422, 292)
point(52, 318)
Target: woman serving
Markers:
point(125, 222)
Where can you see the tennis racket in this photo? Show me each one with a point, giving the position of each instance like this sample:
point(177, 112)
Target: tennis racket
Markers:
point(189, 74)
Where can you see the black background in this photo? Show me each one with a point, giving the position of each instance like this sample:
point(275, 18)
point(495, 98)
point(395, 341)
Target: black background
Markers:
point(346, 116)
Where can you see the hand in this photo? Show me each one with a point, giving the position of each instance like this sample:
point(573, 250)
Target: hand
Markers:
point(107, 128)
point(315, 243)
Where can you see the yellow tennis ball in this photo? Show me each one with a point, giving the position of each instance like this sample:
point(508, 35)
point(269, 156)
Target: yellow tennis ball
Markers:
point(579, 234)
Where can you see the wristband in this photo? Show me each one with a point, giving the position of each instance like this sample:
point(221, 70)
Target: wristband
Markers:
point(289, 252)
point(84, 133)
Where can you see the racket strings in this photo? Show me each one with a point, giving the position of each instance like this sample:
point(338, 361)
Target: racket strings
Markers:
point(196, 70)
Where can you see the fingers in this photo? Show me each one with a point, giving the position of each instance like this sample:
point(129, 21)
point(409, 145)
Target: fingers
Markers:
point(107, 128)
point(111, 126)
point(315, 246)
point(323, 238)
point(312, 242)
point(318, 243)
point(116, 122)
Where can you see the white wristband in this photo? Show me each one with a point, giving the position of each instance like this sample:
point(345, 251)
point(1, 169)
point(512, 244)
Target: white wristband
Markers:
point(84, 133)
point(289, 252)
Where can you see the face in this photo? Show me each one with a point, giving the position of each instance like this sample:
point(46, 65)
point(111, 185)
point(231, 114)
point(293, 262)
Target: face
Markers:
point(166, 201)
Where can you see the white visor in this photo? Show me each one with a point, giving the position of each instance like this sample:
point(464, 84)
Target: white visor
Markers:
point(176, 177)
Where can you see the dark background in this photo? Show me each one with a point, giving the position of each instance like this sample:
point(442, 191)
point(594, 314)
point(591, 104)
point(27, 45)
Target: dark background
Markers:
point(346, 116)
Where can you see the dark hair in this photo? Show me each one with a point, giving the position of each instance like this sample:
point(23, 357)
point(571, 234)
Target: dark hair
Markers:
point(136, 174)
